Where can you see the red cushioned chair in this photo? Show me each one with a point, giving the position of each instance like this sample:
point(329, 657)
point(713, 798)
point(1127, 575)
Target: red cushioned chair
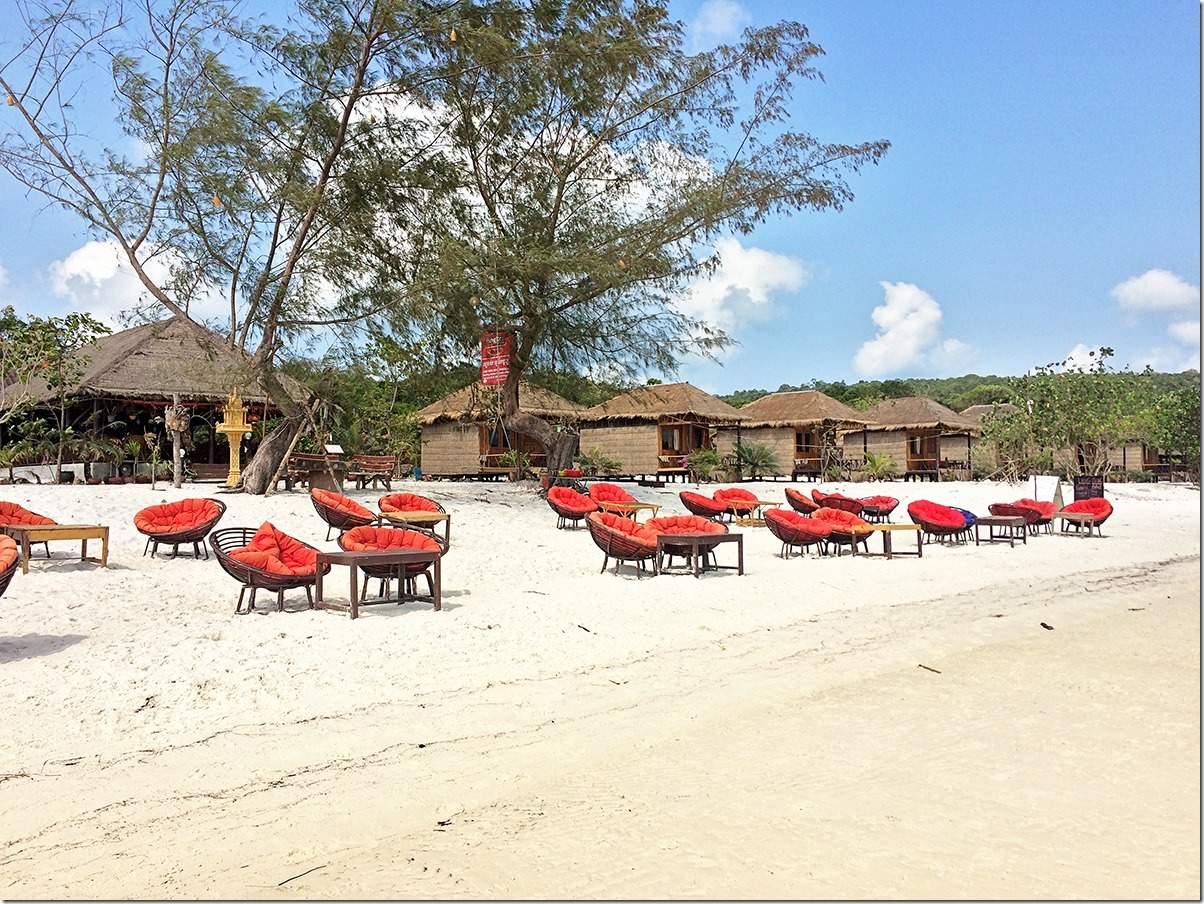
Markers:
point(1045, 512)
point(844, 503)
point(703, 506)
point(1015, 510)
point(622, 539)
point(340, 512)
point(611, 498)
point(10, 556)
point(569, 505)
point(412, 502)
point(182, 521)
point(690, 525)
point(370, 537)
point(1101, 509)
point(737, 502)
point(878, 508)
point(938, 522)
point(15, 515)
point(818, 496)
point(801, 502)
point(847, 529)
point(797, 531)
point(265, 559)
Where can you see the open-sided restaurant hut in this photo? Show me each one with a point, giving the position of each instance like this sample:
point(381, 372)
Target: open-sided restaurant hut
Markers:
point(801, 427)
point(653, 429)
point(463, 434)
point(924, 438)
point(130, 377)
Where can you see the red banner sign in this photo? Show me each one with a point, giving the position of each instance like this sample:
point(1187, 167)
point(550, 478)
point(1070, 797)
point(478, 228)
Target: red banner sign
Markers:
point(496, 346)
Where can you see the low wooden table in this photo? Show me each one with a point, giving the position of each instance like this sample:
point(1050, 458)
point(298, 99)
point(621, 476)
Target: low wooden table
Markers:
point(629, 509)
point(700, 546)
point(887, 549)
point(377, 557)
point(422, 519)
point(44, 533)
point(755, 517)
point(1001, 529)
point(1078, 519)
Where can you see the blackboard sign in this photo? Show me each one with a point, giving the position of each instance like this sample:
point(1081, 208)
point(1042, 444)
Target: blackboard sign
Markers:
point(1088, 486)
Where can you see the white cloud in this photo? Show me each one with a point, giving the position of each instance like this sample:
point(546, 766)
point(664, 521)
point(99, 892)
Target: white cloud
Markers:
point(742, 287)
point(718, 22)
point(1156, 290)
point(1081, 357)
point(3, 276)
point(1168, 360)
point(909, 333)
point(1185, 331)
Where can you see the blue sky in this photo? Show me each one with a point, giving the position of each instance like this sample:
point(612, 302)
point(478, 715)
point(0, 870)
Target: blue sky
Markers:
point(1042, 194)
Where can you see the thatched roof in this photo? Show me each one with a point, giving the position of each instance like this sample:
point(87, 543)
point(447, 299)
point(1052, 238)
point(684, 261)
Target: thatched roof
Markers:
point(917, 413)
point(804, 408)
point(155, 360)
point(476, 402)
point(650, 403)
point(976, 413)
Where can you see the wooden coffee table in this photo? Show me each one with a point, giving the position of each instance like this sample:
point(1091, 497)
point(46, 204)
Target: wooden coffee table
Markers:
point(1079, 520)
point(44, 533)
point(629, 509)
point(355, 559)
point(887, 530)
point(754, 517)
point(1001, 529)
point(421, 519)
point(700, 546)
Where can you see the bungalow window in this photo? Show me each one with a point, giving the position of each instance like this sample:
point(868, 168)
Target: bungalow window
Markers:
point(672, 440)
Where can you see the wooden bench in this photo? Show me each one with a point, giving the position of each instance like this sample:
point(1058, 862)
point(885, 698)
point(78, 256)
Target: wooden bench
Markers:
point(303, 466)
point(369, 470)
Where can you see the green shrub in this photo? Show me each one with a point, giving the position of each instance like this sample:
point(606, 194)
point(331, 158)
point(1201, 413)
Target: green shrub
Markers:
point(757, 459)
point(596, 462)
point(880, 466)
point(703, 463)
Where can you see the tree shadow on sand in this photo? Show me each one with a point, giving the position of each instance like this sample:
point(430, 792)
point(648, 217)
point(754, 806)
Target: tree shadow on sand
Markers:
point(30, 646)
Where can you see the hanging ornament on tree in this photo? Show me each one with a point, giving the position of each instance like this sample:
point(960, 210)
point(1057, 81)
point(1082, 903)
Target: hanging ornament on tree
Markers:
point(217, 202)
point(622, 264)
point(453, 36)
point(12, 101)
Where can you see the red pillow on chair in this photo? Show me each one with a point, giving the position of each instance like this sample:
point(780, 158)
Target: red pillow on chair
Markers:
point(275, 551)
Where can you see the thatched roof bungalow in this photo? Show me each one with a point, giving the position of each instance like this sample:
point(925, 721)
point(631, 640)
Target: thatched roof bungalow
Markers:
point(463, 436)
point(801, 427)
point(977, 413)
point(924, 438)
point(652, 429)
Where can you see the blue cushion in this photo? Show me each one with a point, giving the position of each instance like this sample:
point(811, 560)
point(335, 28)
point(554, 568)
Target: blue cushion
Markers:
point(970, 517)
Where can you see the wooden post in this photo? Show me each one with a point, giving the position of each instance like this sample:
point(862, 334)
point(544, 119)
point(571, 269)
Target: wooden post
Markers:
point(177, 444)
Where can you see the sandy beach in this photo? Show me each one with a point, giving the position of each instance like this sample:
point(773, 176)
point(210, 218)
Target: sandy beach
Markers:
point(560, 732)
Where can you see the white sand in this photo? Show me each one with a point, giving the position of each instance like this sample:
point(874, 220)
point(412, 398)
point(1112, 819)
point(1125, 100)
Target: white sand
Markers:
point(598, 735)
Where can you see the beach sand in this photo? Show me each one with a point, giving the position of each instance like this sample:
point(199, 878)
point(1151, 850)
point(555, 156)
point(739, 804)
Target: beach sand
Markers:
point(559, 732)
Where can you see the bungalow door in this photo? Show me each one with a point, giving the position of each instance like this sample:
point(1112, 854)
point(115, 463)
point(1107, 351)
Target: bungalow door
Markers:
point(923, 450)
point(808, 450)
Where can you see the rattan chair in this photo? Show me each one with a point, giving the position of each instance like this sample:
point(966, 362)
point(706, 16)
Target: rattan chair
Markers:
point(798, 531)
point(569, 506)
point(340, 512)
point(370, 537)
point(623, 540)
point(847, 529)
point(10, 558)
point(228, 539)
point(160, 524)
point(703, 506)
point(801, 502)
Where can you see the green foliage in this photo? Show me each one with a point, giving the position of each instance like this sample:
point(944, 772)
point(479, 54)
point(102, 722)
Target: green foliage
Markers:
point(880, 466)
point(518, 462)
point(1175, 425)
point(757, 459)
point(703, 463)
point(595, 462)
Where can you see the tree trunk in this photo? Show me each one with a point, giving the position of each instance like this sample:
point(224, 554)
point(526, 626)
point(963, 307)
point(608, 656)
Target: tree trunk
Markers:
point(262, 467)
point(177, 447)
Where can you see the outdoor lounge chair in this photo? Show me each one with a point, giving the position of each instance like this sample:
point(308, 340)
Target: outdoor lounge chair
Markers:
point(15, 515)
point(847, 529)
point(738, 502)
point(801, 502)
point(797, 531)
point(1100, 509)
point(338, 511)
point(265, 559)
point(369, 537)
point(691, 525)
point(1015, 510)
point(610, 497)
point(622, 539)
point(182, 521)
point(970, 518)
point(10, 558)
point(941, 523)
point(878, 508)
point(844, 503)
point(703, 506)
point(1045, 510)
point(569, 505)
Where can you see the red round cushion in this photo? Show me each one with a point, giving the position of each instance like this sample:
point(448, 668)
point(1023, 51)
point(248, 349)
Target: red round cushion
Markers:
point(800, 500)
point(570, 500)
point(1100, 508)
point(637, 532)
point(842, 521)
point(275, 551)
point(1046, 509)
point(702, 503)
point(883, 504)
point(573, 472)
point(740, 500)
point(11, 513)
point(799, 524)
point(407, 502)
point(685, 524)
point(341, 503)
point(369, 537)
point(608, 492)
point(9, 551)
point(924, 512)
point(818, 496)
point(174, 517)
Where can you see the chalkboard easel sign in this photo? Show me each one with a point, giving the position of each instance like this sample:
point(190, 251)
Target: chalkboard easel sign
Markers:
point(1088, 486)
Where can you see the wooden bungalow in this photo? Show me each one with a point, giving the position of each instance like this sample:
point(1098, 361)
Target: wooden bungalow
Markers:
point(131, 376)
point(801, 427)
point(463, 435)
point(653, 429)
point(925, 439)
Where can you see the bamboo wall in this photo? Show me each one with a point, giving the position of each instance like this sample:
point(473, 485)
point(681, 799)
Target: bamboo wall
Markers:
point(881, 442)
point(633, 445)
point(451, 448)
point(954, 448)
point(1127, 458)
point(779, 439)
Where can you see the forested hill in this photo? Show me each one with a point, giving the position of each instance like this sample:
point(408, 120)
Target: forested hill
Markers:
point(958, 393)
